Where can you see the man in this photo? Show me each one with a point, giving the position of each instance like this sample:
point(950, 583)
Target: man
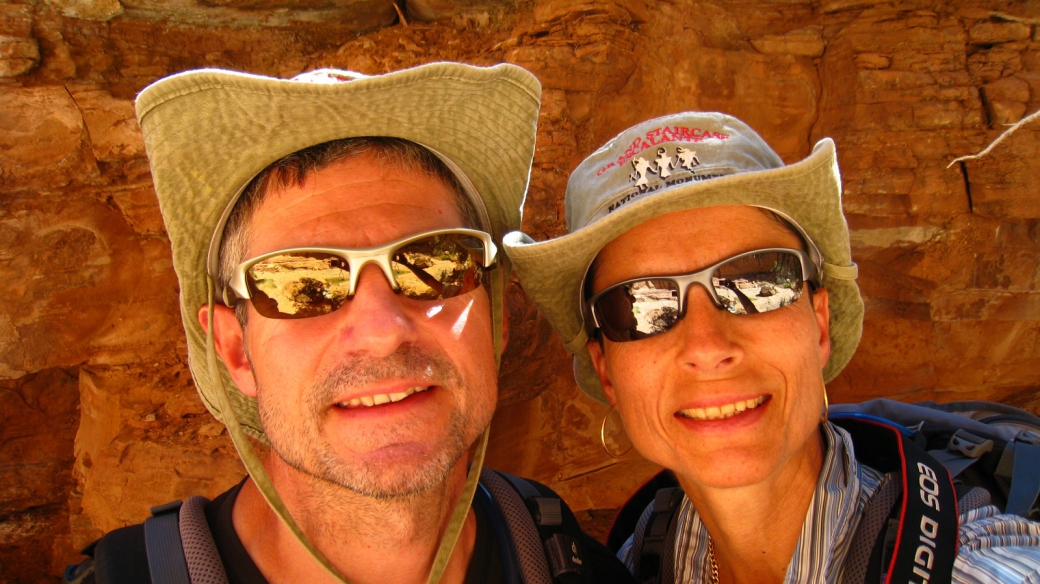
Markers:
point(709, 296)
point(334, 238)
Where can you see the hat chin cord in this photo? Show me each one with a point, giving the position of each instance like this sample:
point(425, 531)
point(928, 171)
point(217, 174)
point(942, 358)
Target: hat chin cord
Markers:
point(255, 468)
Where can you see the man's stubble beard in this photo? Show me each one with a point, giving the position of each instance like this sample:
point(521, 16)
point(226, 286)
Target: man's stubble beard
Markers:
point(302, 445)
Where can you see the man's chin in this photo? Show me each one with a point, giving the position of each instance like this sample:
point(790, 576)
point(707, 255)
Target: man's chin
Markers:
point(399, 481)
point(390, 472)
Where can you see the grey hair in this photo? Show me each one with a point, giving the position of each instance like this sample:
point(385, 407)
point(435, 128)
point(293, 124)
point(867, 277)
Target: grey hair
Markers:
point(294, 169)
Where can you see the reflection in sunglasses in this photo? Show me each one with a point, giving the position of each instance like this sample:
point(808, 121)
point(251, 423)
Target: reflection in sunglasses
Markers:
point(304, 283)
point(760, 293)
point(654, 308)
point(299, 284)
point(750, 283)
point(438, 272)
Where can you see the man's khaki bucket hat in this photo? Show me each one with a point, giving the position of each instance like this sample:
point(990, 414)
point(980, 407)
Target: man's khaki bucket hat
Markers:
point(678, 162)
point(209, 132)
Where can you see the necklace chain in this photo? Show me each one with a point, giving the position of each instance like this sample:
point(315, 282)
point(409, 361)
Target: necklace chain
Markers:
point(712, 562)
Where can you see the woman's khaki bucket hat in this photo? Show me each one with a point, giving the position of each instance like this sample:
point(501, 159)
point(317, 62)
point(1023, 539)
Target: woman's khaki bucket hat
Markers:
point(208, 133)
point(678, 162)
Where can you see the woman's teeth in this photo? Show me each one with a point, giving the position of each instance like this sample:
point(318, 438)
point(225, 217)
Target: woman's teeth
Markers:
point(724, 411)
point(380, 398)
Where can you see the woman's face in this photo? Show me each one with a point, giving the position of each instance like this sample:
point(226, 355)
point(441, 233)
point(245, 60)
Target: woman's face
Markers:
point(768, 365)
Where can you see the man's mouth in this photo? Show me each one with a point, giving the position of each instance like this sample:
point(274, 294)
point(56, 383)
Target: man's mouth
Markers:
point(724, 411)
point(379, 399)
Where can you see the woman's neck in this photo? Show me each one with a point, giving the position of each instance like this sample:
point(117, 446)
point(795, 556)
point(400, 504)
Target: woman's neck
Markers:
point(755, 528)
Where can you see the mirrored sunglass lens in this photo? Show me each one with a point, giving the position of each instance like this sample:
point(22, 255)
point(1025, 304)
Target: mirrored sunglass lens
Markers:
point(439, 266)
point(759, 282)
point(638, 310)
point(298, 285)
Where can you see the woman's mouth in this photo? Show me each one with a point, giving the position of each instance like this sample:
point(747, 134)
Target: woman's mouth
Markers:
point(724, 411)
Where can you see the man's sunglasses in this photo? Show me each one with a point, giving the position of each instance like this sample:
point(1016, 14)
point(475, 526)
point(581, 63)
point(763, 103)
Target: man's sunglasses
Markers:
point(749, 283)
point(302, 282)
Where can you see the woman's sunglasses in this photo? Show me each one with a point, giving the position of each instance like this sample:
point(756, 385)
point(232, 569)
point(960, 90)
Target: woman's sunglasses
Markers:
point(302, 282)
point(750, 283)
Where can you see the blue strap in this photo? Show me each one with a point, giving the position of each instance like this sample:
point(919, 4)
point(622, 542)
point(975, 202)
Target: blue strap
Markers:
point(1025, 479)
point(162, 540)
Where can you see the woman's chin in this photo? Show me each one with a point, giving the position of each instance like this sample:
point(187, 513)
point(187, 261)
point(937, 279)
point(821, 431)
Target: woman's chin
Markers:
point(766, 459)
point(731, 469)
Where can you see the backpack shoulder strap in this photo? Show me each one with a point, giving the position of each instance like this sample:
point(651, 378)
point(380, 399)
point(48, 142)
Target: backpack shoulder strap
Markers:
point(531, 561)
point(162, 539)
point(650, 511)
point(631, 513)
point(562, 549)
point(180, 545)
point(558, 539)
point(657, 552)
point(864, 558)
point(200, 550)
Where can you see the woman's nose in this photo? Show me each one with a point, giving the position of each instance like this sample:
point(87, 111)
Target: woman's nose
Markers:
point(708, 343)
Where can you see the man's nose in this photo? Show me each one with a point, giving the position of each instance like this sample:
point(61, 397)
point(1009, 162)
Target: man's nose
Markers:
point(375, 320)
point(706, 336)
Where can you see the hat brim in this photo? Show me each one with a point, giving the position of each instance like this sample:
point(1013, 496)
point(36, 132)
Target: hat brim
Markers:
point(807, 192)
point(209, 132)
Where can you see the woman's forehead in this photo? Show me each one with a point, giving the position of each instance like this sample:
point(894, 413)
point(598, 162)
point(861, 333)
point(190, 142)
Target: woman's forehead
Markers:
point(689, 240)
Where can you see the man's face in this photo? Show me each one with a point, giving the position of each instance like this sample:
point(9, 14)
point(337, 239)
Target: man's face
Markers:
point(712, 358)
point(305, 372)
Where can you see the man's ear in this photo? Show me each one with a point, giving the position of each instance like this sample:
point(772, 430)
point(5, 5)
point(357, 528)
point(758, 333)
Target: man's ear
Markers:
point(599, 363)
point(822, 312)
point(229, 340)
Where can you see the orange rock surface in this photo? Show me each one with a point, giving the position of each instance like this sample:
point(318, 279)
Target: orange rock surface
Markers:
point(98, 415)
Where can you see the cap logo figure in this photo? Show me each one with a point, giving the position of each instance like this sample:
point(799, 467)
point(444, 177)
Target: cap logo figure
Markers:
point(684, 163)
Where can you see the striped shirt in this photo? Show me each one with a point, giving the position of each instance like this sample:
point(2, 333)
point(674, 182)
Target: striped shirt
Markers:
point(993, 547)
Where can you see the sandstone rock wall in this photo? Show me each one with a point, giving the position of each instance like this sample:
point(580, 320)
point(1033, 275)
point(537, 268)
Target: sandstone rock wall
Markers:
point(98, 415)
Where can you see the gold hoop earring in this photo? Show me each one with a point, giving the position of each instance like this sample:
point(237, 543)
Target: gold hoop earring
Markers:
point(619, 438)
point(826, 407)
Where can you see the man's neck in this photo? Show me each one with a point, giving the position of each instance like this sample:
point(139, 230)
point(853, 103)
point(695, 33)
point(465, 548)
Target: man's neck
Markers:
point(368, 540)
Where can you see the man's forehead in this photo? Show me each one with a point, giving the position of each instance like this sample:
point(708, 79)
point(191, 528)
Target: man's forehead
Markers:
point(362, 169)
point(355, 202)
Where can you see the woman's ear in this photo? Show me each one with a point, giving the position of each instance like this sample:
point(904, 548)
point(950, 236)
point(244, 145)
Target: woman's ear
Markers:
point(229, 341)
point(599, 363)
point(822, 312)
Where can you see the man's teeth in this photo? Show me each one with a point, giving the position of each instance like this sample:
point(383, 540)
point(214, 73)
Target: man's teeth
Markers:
point(724, 411)
point(380, 398)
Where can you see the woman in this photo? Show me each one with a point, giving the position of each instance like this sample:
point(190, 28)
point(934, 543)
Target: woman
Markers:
point(708, 293)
